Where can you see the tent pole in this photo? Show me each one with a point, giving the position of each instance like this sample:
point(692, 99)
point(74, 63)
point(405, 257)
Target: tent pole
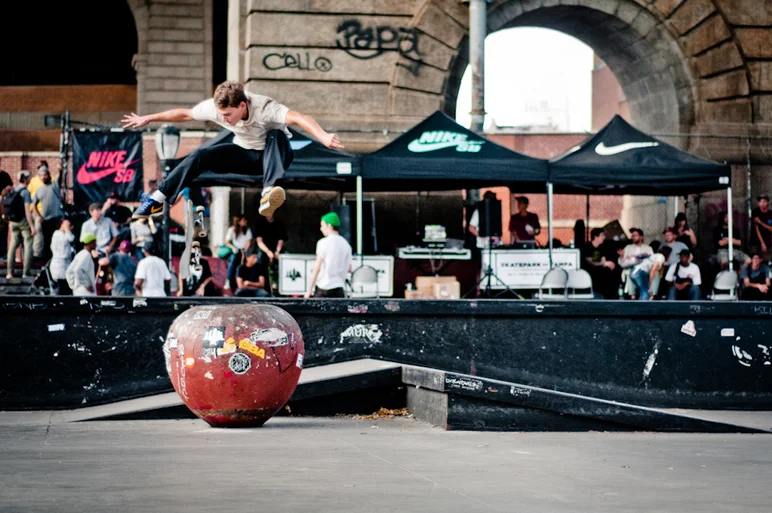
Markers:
point(587, 220)
point(729, 220)
point(360, 193)
point(478, 11)
point(549, 218)
point(749, 205)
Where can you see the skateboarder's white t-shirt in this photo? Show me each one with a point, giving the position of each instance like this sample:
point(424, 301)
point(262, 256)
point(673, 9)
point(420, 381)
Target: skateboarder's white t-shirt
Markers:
point(265, 114)
point(154, 271)
point(336, 254)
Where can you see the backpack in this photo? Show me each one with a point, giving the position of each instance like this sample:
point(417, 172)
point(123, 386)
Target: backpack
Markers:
point(13, 203)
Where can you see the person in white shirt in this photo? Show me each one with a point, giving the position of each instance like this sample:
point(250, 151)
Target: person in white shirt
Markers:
point(104, 229)
point(151, 275)
point(260, 144)
point(645, 275)
point(333, 260)
point(61, 250)
point(685, 277)
point(81, 273)
point(239, 239)
point(633, 255)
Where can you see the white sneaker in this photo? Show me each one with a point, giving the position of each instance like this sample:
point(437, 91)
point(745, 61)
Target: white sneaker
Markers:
point(272, 199)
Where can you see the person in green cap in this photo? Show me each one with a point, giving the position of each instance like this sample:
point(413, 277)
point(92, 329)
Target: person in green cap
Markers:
point(81, 273)
point(333, 260)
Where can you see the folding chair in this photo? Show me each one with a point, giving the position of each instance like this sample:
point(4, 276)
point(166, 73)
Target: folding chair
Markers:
point(724, 287)
point(554, 279)
point(364, 283)
point(579, 279)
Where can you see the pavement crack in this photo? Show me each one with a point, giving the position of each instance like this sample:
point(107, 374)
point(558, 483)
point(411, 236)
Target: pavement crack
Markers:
point(421, 476)
point(48, 428)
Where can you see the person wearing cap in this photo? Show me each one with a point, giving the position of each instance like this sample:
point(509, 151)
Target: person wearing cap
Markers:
point(81, 273)
point(250, 276)
point(151, 275)
point(62, 251)
point(762, 228)
point(333, 260)
point(47, 203)
point(685, 277)
point(524, 225)
point(124, 268)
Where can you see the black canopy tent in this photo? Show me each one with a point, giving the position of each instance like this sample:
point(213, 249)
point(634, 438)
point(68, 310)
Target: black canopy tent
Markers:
point(315, 167)
point(621, 159)
point(440, 154)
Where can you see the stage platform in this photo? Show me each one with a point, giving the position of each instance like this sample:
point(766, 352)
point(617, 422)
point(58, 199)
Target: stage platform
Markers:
point(572, 365)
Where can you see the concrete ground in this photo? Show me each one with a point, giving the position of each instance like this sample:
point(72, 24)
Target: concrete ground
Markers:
point(326, 465)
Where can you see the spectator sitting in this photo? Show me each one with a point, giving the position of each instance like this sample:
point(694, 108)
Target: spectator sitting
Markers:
point(103, 228)
point(124, 268)
point(250, 277)
point(756, 280)
point(600, 268)
point(645, 275)
point(151, 276)
point(721, 241)
point(762, 228)
point(239, 239)
point(685, 277)
point(676, 246)
point(633, 254)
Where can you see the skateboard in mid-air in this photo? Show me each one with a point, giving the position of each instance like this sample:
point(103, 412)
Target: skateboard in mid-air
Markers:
point(194, 227)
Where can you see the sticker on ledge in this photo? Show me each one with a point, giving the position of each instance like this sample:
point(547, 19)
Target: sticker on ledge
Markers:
point(299, 363)
point(689, 329)
point(55, 327)
point(727, 332)
point(202, 315)
point(240, 363)
point(139, 301)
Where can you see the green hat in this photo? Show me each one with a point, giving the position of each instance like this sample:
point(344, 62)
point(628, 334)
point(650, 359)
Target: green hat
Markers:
point(332, 219)
point(87, 237)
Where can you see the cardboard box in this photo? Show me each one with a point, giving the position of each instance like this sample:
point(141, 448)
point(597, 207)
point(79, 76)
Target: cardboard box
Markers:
point(416, 294)
point(447, 290)
point(425, 284)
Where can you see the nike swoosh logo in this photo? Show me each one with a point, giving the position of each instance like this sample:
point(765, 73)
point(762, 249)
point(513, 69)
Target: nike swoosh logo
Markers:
point(155, 210)
point(419, 147)
point(604, 150)
point(86, 177)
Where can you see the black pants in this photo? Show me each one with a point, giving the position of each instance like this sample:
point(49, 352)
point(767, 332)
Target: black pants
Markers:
point(49, 227)
point(336, 292)
point(225, 157)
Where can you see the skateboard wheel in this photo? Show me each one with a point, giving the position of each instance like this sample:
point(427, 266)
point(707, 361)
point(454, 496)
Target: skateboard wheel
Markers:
point(195, 244)
point(202, 234)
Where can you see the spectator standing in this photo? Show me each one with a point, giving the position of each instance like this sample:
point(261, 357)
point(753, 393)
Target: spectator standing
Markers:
point(239, 239)
point(61, 255)
point(333, 261)
point(142, 233)
point(103, 228)
point(124, 269)
point(16, 204)
point(762, 228)
point(685, 277)
point(523, 225)
point(151, 275)
point(271, 237)
point(47, 206)
point(118, 214)
point(6, 185)
point(38, 245)
point(81, 273)
point(756, 280)
point(684, 234)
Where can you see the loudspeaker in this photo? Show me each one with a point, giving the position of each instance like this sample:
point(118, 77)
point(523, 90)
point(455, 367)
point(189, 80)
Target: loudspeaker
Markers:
point(346, 228)
point(490, 217)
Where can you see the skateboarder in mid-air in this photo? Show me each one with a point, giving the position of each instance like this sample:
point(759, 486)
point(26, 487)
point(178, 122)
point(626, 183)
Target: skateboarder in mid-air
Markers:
point(260, 144)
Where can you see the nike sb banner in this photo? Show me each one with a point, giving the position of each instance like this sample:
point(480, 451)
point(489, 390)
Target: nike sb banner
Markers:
point(104, 163)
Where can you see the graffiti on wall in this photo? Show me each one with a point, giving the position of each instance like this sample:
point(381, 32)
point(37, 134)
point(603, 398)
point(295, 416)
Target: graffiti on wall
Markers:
point(362, 42)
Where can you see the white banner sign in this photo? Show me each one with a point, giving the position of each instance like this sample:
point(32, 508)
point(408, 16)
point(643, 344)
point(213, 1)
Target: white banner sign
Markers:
point(295, 271)
point(525, 268)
